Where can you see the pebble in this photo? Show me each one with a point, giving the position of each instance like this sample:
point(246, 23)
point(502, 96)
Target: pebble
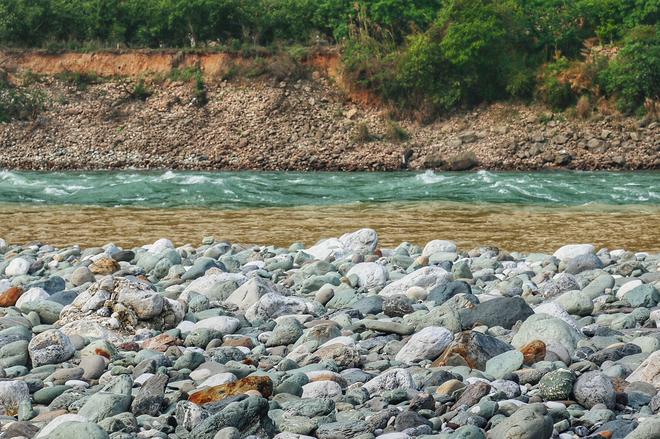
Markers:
point(341, 339)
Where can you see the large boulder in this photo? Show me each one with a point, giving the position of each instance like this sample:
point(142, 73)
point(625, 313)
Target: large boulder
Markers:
point(123, 306)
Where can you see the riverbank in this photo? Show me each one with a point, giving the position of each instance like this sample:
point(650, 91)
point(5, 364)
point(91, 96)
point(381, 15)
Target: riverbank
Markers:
point(345, 338)
point(277, 123)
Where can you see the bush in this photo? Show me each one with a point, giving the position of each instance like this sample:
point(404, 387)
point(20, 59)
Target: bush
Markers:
point(553, 91)
point(634, 75)
point(361, 133)
point(19, 104)
point(395, 132)
point(141, 91)
point(583, 107)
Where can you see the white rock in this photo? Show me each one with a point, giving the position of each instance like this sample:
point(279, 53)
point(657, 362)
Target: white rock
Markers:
point(186, 326)
point(86, 328)
point(287, 435)
point(556, 310)
point(4, 285)
point(439, 246)
point(648, 371)
point(140, 380)
point(11, 394)
point(427, 344)
point(218, 379)
point(345, 340)
point(160, 246)
point(395, 435)
point(389, 380)
point(3, 243)
point(627, 287)
point(363, 241)
point(274, 305)
point(572, 250)
point(17, 267)
point(145, 304)
point(224, 324)
point(426, 277)
point(371, 275)
point(250, 292)
point(321, 389)
point(326, 248)
point(56, 422)
point(77, 383)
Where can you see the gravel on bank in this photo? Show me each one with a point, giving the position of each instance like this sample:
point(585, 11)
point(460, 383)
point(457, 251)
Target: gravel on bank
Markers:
point(343, 339)
point(309, 124)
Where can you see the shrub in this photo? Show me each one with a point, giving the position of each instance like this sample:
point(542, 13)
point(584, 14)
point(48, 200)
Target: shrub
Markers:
point(583, 107)
point(552, 90)
point(140, 91)
point(201, 97)
point(395, 132)
point(361, 133)
point(19, 104)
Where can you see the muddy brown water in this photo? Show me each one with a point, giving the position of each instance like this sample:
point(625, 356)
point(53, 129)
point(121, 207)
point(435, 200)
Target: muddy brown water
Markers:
point(513, 228)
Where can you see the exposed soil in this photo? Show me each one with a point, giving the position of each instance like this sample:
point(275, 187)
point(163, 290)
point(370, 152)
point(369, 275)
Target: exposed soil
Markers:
point(267, 123)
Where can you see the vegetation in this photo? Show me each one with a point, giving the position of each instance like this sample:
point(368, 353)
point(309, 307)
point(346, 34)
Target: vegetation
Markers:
point(18, 103)
point(426, 57)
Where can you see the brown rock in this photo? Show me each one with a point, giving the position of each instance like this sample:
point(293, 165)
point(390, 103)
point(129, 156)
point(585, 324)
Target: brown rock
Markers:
point(10, 296)
point(473, 349)
point(160, 342)
point(104, 266)
point(243, 341)
point(449, 387)
point(345, 356)
point(533, 352)
point(472, 394)
point(262, 384)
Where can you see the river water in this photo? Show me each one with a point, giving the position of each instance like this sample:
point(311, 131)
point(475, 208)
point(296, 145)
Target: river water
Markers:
point(536, 211)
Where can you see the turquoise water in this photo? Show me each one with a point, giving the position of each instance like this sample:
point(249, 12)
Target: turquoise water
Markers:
point(235, 190)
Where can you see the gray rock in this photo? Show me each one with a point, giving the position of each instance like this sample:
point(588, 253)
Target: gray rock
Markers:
point(102, 405)
point(580, 263)
point(80, 276)
point(286, 332)
point(550, 330)
point(249, 416)
point(594, 388)
point(503, 311)
point(531, 422)
point(85, 430)
point(151, 396)
point(557, 385)
point(504, 363)
point(643, 296)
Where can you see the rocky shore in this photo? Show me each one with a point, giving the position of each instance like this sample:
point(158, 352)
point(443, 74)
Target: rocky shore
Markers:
point(269, 123)
point(343, 339)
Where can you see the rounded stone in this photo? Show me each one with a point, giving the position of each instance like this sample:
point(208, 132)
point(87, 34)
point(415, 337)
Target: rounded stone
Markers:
point(50, 347)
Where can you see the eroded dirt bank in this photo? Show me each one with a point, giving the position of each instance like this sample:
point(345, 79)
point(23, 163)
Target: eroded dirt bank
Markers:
point(272, 123)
